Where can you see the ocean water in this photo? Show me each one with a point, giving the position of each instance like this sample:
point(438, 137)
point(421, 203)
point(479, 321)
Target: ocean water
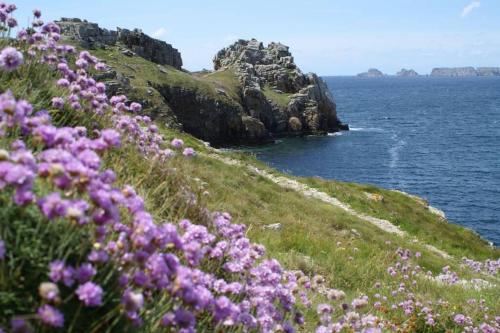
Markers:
point(438, 138)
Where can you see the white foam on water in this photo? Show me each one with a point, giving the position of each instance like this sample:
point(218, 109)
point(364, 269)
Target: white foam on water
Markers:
point(394, 152)
point(365, 129)
point(335, 134)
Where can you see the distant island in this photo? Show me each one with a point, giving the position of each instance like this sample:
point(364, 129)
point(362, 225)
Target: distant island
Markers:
point(466, 71)
point(372, 72)
point(407, 72)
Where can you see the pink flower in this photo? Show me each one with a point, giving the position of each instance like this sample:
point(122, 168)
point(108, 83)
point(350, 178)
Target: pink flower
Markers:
point(135, 107)
point(177, 143)
point(90, 294)
point(189, 152)
point(58, 103)
point(50, 316)
point(10, 59)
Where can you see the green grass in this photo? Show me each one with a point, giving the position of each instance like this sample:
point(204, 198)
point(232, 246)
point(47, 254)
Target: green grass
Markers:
point(280, 99)
point(225, 80)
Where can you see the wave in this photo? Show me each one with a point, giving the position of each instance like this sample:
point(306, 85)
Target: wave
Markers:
point(366, 129)
point(335, 134)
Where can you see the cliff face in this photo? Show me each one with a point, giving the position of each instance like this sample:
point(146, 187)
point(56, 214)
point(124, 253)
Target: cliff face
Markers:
point(90, 35)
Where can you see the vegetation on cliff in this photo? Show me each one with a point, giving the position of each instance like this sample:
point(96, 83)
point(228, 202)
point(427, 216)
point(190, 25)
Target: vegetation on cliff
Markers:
point(108, 224)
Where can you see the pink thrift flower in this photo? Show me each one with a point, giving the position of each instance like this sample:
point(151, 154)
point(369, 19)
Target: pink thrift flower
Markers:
point(50, 316)
point(135, 107)
point(58, 103)
point(90, 294)
point(177, 143)
point(189, 152)
point(10, 59)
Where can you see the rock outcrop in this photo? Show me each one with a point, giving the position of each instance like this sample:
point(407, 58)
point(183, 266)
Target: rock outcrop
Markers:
point(407, 72)
point(309, 106)
point(90, 35)
point(372, 72)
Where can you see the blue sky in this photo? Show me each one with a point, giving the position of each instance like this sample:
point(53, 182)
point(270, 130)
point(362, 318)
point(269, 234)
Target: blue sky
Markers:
point(330, 37)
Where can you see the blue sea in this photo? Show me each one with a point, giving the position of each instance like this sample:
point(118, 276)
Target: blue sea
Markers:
point(438, 138)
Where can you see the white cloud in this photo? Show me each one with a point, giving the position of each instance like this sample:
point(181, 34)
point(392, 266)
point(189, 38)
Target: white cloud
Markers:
point(160, 33)
point(470, 7)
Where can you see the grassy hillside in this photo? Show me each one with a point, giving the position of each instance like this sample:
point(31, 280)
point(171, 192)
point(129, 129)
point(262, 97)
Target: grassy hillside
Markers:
point(302, 233)
point(145, 75)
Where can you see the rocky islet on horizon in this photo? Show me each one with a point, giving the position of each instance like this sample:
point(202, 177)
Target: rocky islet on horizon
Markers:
point(465, 71)
point(407, 72)
point(439, 72)
point(372, 72)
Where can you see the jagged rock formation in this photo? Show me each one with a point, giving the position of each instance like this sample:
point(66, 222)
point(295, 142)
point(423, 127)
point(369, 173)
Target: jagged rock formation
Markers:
point(309, 106)
point(372, 72)
point(407, 72)
point(90, 35)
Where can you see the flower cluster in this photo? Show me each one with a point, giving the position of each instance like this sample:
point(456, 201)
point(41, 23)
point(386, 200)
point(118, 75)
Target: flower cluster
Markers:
point(489, 267)
point(7, 21)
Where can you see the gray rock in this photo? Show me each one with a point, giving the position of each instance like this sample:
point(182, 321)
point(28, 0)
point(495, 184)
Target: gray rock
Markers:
point(274, 226)
point(128, 53)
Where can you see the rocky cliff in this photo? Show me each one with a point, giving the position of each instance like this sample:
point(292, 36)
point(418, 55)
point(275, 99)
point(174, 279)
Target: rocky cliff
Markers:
point(254, 94)
point(372, 72)
point(90, 35)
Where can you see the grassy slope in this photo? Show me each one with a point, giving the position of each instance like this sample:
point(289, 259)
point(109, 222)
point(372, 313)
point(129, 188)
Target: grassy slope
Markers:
point(411, 215)
point(144, 74)
point(281, 99)
point(310, 229)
